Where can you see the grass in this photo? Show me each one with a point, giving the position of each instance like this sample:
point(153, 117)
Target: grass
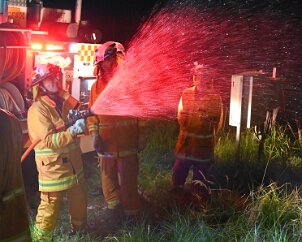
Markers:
point(273, 206)
point(257, 199)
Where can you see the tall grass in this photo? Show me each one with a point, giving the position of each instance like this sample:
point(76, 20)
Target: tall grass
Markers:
point(141, 232)
point(229, 172)
point(247, 202)
point(278, 144)
point(266, 213)
point(156, 161)
point(273, 214)
point(274, 206)
point(180, 227)
point(225, 149)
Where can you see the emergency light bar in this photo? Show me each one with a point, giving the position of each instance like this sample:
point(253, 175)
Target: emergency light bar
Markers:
point(47, 47)
point(73, 48)
point(36, 46)
point(52, 47)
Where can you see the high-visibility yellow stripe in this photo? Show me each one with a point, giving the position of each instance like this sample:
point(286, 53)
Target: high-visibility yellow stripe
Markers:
point(113, 203)
point(118, 124)
point(199, 136)
point(55, 139)
point(43, 152)
point(184, 157)
point(93, 127)
point(118, 154)
point(60, 184)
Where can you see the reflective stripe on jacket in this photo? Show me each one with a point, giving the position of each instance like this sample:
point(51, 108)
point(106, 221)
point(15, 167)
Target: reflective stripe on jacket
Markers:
point(119, 134)
point(96, 89)
point(200, 116)
point(58, 155)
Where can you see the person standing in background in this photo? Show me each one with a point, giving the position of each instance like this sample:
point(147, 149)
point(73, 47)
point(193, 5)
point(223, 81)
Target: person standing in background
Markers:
point(200, 117)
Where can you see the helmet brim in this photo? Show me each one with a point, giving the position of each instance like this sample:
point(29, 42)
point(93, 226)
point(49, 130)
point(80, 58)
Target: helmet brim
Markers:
point(39, 80)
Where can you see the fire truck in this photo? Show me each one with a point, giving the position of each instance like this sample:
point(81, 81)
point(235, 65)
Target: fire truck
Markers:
point(31, 34)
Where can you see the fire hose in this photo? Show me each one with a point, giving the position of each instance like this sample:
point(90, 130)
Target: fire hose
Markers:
point(72, 117)
point(13, 58)
point(12, 62)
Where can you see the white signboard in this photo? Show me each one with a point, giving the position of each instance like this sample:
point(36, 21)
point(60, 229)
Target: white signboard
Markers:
point(236, 99)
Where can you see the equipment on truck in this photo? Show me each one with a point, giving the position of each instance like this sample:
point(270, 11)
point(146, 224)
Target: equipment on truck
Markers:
point(29, 36)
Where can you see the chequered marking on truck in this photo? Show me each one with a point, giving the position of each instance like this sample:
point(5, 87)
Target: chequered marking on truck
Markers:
point(86, 52)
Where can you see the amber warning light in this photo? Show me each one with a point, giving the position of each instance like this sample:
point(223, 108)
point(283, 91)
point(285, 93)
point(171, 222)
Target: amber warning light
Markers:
point(46, 47)
point(36, 46)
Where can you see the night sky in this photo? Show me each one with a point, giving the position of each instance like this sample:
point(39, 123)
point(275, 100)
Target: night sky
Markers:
point(116, 19)
point(119, 19)
point(229, 37)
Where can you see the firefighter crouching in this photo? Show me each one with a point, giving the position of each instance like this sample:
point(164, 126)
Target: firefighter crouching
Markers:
point(115, 140)
point(14, 222)
point(200, 116)
point(58, 155)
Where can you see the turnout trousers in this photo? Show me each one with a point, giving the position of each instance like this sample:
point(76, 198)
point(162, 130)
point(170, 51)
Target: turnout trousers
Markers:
point(119, 182)
point(49, 208)
point(181, 170)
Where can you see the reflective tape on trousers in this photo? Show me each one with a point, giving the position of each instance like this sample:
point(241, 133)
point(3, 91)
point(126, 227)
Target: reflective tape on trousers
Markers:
point(199, 136)
point(124, 153)
point(60, 184)
point(183, 157)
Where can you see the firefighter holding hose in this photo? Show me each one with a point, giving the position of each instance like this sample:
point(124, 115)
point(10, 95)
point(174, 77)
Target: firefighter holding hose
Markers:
point(58, 155)
point(115, 141)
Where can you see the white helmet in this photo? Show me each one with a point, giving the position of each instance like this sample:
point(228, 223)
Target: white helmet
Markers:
point(43, 71)
point(107, 49)
point(199, 69)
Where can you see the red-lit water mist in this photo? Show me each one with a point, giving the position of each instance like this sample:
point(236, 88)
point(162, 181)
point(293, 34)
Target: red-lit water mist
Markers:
point(149, 83)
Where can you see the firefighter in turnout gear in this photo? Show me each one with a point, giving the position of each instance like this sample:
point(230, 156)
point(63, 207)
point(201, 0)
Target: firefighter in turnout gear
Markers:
point(200, 116)
point(115, 139)
point(14, 222)
point(58, 155)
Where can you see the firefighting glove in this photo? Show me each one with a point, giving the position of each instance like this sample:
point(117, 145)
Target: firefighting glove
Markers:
point(78, 127)
point(98, 144)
